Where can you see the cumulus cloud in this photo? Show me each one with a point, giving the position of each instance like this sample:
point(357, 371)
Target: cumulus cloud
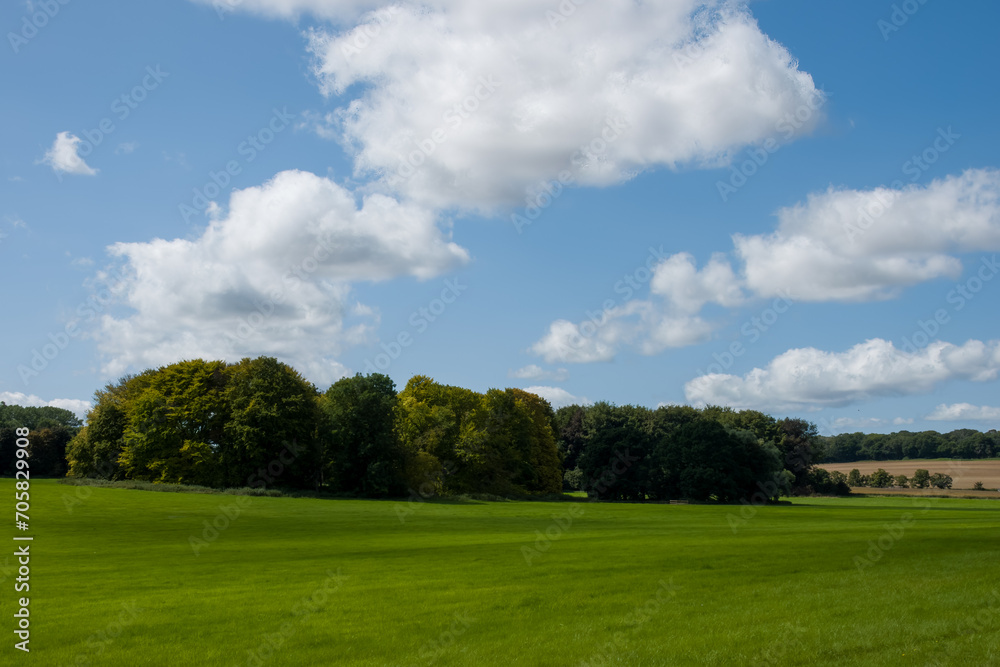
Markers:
point(852, 245)
point(475, 105)
point(964, 411)
point(811, 378)
point(558, 397)
point(77, 407)
point(687, 289)
point(839, 245)
point(272, 277)
point(64, 157)
point(669, 318)
point(565, 343)
point(536, 372)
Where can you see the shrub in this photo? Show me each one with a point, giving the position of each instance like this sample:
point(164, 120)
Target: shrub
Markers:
point(940, 480)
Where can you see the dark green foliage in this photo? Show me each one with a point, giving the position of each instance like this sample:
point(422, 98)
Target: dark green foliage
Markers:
point(569, 427)
point(827, 483)
point(960, 444)
point(617, 454)
point(363, 453)
point(796, 437)
point(880, 479)
point(940, 481)
point(48, 451)
point(51, 429)
point(675, 452)
point(16, 416)
point(270, 436)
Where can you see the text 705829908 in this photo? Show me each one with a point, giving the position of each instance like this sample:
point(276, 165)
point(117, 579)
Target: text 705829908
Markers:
point(21, 507)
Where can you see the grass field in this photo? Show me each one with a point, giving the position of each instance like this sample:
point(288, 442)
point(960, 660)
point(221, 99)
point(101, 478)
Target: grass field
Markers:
point(115, 581)
point(964, 473)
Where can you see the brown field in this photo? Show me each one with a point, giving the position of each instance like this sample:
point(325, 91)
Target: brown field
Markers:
point(929, 493)
point(964, 473)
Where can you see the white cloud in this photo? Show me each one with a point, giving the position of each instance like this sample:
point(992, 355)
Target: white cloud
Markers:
point(535, 372)
point(964, 411)
point(565, 343)
point(63, 157)
point(334, 10)
point(687, 289)
point(273, 277)
point(668, 319)
point(819, 252)
point(558, 397)
point(81, 262)
point(77, 407)
point(126, 148)
point(484, 101)
point(851, 245)
point(810, 378)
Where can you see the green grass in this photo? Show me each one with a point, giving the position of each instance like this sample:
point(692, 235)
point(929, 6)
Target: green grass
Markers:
point(782, 590)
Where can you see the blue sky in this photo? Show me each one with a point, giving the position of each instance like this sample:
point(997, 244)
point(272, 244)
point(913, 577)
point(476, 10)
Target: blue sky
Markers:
point(785, 206)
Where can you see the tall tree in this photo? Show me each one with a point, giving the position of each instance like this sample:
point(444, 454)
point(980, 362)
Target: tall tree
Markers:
point(796, 445)
point(270, 432)
point(175, 425)
point(363, 452)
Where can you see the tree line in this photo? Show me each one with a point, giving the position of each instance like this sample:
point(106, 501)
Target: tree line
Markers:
point(51, 431)
point(259, 423)
point(922, 479)
point(960, 444)
point(636, 453)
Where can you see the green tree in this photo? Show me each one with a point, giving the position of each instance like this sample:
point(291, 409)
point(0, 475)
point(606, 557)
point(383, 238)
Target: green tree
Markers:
point(48, 451)
point(705, 460)
point(95, 450)
point(796, 443)
point(175, 425)
point(940, 481)
point(569, 425)
point(429, 422)
point(921, 479)
point(619, 447)
point(540, 469)
point(824, 482)
point(839, 481)
point(270, 435)
point(901, 481)
point(574, 479)
point(363, 453)
point(978, 486)
point(880, 479)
